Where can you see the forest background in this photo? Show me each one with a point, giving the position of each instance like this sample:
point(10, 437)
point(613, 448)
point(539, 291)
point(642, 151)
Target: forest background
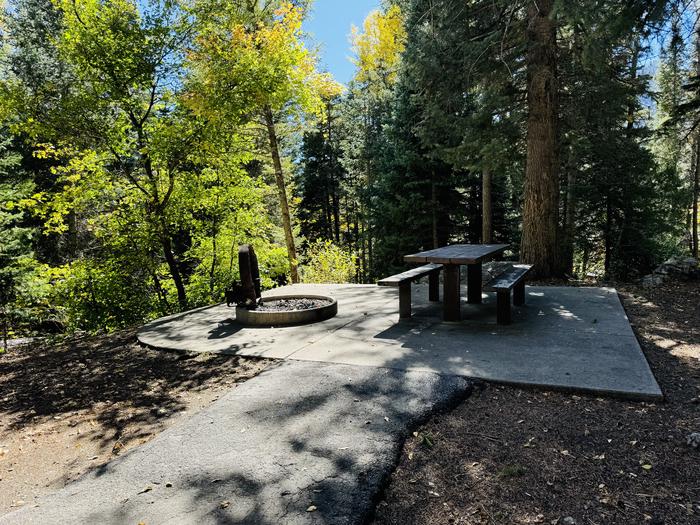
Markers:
point(142, 141)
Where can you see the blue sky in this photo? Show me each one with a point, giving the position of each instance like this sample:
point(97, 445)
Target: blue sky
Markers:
point(329, 25)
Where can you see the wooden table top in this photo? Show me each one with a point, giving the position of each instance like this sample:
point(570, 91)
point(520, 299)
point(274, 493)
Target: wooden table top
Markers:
point(457, 254)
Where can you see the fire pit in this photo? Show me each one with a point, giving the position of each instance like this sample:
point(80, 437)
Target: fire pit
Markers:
point(288, 310)
point(252, 310)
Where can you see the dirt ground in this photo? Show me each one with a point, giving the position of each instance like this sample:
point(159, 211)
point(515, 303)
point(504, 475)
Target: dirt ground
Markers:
point(513, 456)
point(70, 408)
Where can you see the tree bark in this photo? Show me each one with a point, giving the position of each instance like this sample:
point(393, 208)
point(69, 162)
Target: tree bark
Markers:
point(487, 207)
point(696, 172)
point(174, 269)
point(433, 209)
point(569, 221)
point(282, 192)
point(541, 195)
point(5, 327)
point(696, 195)
point(334, 171)
point(336, 214)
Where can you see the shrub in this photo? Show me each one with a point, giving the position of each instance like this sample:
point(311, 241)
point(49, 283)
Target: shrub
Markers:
point(328, 263)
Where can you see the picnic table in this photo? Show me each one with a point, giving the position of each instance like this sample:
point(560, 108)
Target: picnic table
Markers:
point(452, 258)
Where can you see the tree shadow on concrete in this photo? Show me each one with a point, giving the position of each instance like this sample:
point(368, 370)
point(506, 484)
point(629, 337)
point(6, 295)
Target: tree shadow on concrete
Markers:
point(306, 443)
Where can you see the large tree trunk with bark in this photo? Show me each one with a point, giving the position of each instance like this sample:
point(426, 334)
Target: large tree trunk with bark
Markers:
point(541, 199)
point(282, 193)
point(696, 172)
point(487, 207)
point(696, 195)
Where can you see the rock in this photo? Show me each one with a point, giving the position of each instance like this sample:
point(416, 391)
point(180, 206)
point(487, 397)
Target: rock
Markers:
point(693, 439)
point(651, 280)
point(679, 266)
point(569, 521)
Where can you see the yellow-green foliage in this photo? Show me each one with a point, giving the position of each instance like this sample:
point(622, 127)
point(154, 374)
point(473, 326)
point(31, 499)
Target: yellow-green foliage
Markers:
point(268, 63)
point(379, 46)
point(328, 263)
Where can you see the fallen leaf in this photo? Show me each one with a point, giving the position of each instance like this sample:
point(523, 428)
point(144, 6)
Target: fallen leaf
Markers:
point(646, 466)
point(311, 508)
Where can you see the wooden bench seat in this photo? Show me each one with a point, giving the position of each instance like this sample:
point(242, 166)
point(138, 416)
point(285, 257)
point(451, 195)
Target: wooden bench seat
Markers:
point(511, 279)
point(403, 281)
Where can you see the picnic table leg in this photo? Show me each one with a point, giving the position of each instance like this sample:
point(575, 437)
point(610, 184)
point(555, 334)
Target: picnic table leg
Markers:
point(451, 293)
point(519, 294)
point(503, 307)
point(434, 287)
point(405, 300)
point(474, 283)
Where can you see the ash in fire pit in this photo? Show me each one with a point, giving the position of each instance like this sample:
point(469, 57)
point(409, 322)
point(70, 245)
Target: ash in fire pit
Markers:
point(288, 305)
point(288, 310)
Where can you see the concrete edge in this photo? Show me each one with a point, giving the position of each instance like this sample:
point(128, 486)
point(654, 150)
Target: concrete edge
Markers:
point(442, 407)
point(661, 394)
point(615, 394)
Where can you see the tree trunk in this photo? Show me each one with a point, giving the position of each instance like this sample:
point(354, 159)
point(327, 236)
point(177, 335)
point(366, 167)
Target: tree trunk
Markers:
point(696, 172)
point(5, 327)
point(174, 269)
point(433, 209)
point(626, 181)
point(696, 195)
point(486, 207)
point(212, 267)
point(608, 232)
point(541, 195)
point(569, 221)
point(282, 192)
point(336, 214)
point(162, 299)
point(334, 171)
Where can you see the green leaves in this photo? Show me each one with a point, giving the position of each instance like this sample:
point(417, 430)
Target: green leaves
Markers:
point(241, 65)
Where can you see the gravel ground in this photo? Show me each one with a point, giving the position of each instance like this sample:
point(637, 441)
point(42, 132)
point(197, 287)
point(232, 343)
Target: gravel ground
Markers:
point(66, 409)
point(514, 456)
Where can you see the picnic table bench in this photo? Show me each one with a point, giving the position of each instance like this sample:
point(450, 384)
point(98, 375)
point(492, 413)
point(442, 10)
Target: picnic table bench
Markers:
point(511, 279)
point(404, 279)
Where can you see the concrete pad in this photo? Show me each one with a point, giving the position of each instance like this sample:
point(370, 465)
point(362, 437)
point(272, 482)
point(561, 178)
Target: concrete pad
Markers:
point(564, 337)
point(297, 435)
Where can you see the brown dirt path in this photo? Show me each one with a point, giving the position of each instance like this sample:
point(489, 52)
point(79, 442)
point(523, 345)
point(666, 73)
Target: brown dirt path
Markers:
point(69, 408)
